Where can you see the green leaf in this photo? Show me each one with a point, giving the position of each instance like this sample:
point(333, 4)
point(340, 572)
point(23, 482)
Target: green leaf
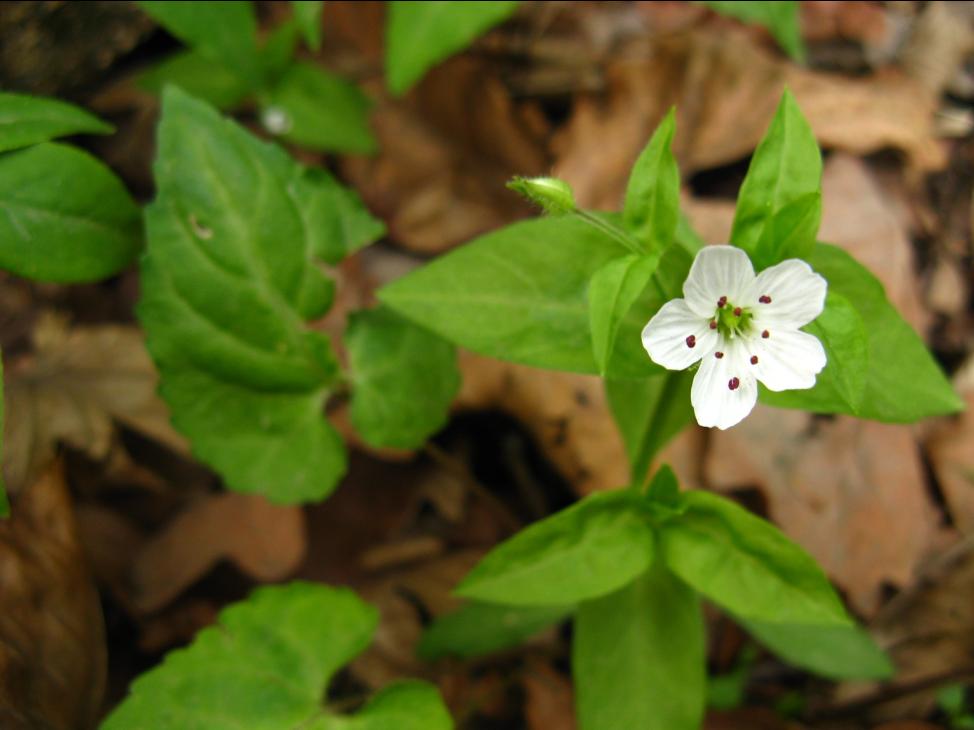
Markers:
point(649, 412)
point(639, 657)
point(421, 34)
point(199, 76)
point(481, 628)
point(4, 502)
point(316, 109)
point(687, 237)
point(786, 168)
point(308, 15)
point(267, 665)
point(26, 120)
point(746, 565)
point(227, 283)
point(517, 294)
point(902, 382)
point(404, 379)
point(652, 208)
point(587, 550)
point(664, 489)
point(780, 17)
point(224, 31)
point(836, 652)
point(277, 52)
point(67, 218)
point(612, 292)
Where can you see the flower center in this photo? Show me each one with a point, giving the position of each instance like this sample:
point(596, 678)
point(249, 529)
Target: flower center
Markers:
point(731, 320)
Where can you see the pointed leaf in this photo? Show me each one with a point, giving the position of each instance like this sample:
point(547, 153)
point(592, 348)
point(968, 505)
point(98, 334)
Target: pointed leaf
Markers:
point(199, 76)
point(26, 120)
point(652, 208)
point(67, 218)
point(420, 34)
point(227, 283)
point(308, 15)
point(587, 550)
point(639, 657)
point(746, 565)
point(780, 17)
point(404, 379)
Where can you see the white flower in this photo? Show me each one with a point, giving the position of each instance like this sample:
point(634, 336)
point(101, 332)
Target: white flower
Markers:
point(742, 328)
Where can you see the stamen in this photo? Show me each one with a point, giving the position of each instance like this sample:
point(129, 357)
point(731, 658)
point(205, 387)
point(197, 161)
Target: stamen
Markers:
point(713, 324)
point(764, 299)
point(721, 302)
point(737, 311)
point(691, 341)
point(754, 359)
point(718, 355)
point(734, 384)
point(766, 334)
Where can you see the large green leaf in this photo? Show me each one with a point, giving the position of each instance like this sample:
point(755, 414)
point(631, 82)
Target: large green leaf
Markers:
point(652, 207)
point(224, 31)
point(778, 208)
point(26, 120)
point(516, 294)
point(836, 652)
point(781, 17)
point(198, 75)
point(746, 565)
point(227, 283)
point(404, 379)
point(649, 412)
point(66, 217)
point(267, 664)
point(587, 550)
point(480, 628)
point(314, 108)
point(639, 657)
point(902, 382)
point(307, 13)
point(421, 34)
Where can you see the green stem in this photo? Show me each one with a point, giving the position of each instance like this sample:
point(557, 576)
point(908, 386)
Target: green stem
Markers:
point(610, 230)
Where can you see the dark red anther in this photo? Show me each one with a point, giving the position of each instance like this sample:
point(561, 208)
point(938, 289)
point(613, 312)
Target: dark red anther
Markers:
point(713, 324)
point(766, 334)
point(718, 355)
point(737, 311)
point(691, 341)
point(722, 301)
point(754, 359)
point(734, 384)
point(764, 299)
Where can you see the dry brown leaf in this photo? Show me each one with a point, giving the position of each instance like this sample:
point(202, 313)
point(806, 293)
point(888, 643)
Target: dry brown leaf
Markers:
point(748, 718)
point(951, 450)
point(549, 700)
point(851, 492)
point(71, 388)
point(52, 643)
point(266, 541)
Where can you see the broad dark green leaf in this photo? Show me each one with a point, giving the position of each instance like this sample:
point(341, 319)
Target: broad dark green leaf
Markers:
point(902, 382)
point(611, 294)
point(649, 412)
point(26, 120)
point(652, 207)
point(224, 31)
point(516, 294)
point(639, 657)
point(421, 34)
point(836, 652)
point(746, 565)
point(198, 75)
point(780, 190)
point(67, 218)
point(780, 17)
point(267, 664)
point(481, 628)
point(404, 378)
point(308, 15)
point(4, 503)
point(314, 108)
point(227, 284)
point(587, 550)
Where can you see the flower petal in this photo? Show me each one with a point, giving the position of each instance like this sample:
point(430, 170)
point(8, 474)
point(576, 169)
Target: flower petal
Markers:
point(665, 336)
point(718, 271)
point(788, 359)
point(715, 403)
point(797, 295)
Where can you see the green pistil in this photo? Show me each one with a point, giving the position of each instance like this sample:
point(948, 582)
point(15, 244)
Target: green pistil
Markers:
point(732, 325)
